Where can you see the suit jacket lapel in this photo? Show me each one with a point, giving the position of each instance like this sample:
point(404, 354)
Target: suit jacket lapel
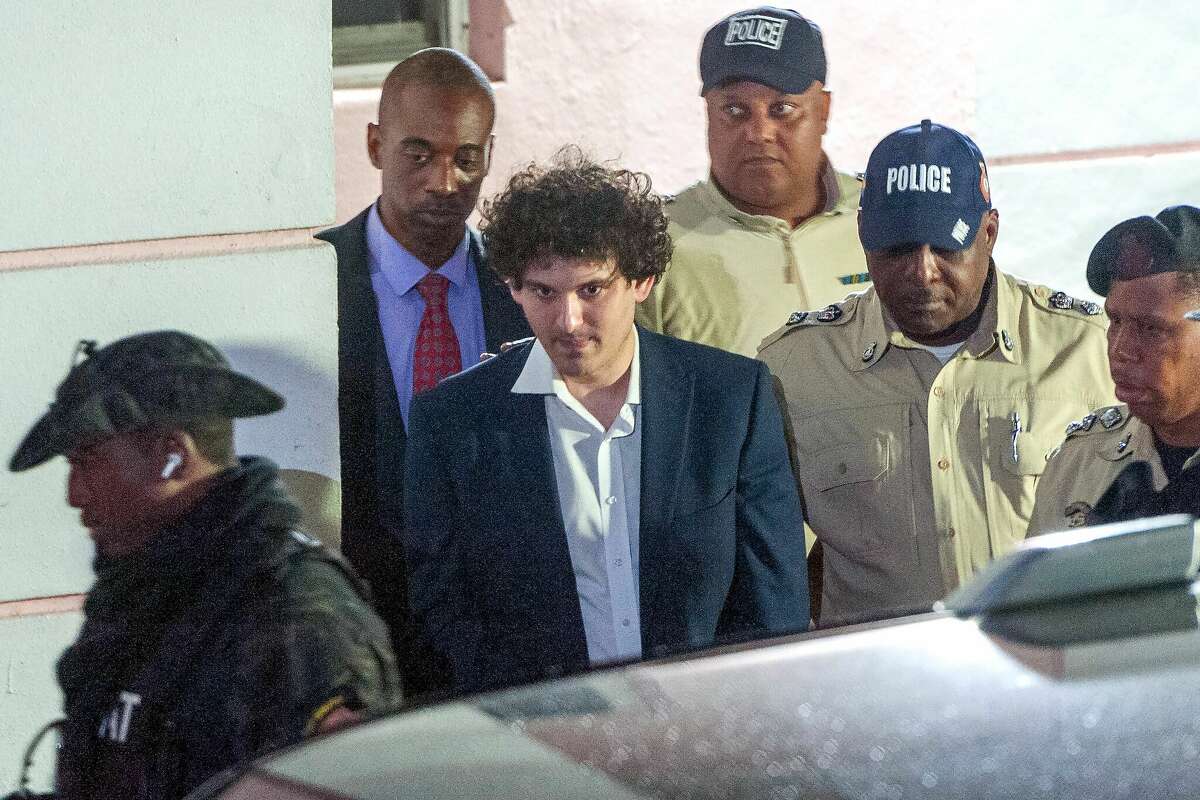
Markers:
point(667, 399)
point(365, 373)
point(545, 576)
point(666, 417)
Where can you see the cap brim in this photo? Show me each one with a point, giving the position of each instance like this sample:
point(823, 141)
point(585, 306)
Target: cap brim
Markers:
point(779, 84)
point(42, 443)
point(1104, 255)
point(915, 224)
point(239, 396)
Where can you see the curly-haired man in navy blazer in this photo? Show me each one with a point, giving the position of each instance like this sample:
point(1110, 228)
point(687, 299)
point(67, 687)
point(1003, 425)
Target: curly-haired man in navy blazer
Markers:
point(599, 493)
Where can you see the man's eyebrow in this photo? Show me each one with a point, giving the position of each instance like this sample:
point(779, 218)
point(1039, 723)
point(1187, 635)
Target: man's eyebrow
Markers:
point(536, 284)
point(416, 141)
point(1148, 316)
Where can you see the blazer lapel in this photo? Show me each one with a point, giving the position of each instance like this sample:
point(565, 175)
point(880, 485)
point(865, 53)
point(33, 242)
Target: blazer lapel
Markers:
point(365, 374)
point(540, 574)
point(666, 417)
point(667, 400)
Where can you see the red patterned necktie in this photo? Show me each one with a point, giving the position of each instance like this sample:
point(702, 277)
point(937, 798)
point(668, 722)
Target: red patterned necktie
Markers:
point(436, 353)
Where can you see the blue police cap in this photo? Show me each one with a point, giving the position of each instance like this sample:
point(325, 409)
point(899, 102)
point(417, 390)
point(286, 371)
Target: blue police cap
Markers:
point(924, 184)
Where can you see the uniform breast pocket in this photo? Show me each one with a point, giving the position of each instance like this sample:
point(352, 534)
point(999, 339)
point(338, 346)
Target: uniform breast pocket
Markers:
point(844, 486)
point(1017, 441)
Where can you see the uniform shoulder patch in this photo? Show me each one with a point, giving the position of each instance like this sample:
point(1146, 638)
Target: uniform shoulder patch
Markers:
point(829, 316)
point(1102, 419)
point(1064, 303)
point(834, 313)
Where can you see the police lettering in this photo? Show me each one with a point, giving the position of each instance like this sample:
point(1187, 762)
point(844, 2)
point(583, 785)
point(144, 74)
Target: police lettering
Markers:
point(757, 30)
point(918, 178)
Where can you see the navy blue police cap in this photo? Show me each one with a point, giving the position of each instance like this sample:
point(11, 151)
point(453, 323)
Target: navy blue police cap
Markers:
point(773, 46)
point(924, 184)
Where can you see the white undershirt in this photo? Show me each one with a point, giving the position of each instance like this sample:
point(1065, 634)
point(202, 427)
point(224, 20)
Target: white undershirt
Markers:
point(944, 352)
point(598, 474)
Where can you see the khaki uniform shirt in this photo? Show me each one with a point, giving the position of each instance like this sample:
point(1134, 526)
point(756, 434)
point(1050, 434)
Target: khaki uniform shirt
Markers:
point(915, 474)
point(1096, 449)
point(734, 276)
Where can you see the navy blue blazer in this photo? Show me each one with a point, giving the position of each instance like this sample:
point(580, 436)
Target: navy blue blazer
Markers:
point(721, 537)
point(372, 438)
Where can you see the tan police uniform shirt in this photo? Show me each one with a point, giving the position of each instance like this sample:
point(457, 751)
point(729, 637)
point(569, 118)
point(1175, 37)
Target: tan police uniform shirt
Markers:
point(1096, 449)
point(910, 472)
point(734, 276)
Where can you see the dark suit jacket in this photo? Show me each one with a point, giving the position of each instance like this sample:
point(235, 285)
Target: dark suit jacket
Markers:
point(721, 537)
point(372, 439)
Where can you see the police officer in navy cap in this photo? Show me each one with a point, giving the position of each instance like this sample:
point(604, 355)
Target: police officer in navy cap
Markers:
point(213, 632)
point(771, 227)
point(1142, 456)
point(921, 411)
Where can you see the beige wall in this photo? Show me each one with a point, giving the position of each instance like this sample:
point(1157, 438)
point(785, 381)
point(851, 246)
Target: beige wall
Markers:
point(166, 165)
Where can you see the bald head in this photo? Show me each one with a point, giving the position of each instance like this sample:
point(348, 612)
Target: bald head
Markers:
point(433, 146)
point(437, 68)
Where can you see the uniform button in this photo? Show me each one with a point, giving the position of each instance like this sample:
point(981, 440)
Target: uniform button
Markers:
point(943, 463)
point(625, 623)
point(841, 468)
point(618, 562)
point(610, 500)
point(938, 391)
point(950, 533)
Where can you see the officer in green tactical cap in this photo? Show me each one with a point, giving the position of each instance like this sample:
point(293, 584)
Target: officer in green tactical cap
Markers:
point(214, 631)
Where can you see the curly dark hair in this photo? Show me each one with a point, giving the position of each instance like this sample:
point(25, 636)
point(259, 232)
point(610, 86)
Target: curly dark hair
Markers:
point(576, 208)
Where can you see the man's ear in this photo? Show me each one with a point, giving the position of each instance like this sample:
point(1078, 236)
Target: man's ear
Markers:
point(174, 454)
point(487, 153)
point(374, 143)
point(641, 288)
point(991, 226)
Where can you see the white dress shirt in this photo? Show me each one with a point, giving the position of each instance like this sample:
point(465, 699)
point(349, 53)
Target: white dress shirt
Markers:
point(598, 474)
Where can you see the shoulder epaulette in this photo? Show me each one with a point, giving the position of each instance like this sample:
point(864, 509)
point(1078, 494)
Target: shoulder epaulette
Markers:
point(1102, 419)
point(833, 314)
point(1064, 303)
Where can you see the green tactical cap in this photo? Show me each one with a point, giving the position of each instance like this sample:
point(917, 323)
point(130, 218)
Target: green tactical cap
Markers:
point(151, 379)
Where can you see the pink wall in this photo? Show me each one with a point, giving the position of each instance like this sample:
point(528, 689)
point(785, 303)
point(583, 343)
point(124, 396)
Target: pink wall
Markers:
point(620, 78)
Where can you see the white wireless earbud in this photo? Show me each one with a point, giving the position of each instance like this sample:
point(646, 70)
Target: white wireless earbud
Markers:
point(173, 462)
